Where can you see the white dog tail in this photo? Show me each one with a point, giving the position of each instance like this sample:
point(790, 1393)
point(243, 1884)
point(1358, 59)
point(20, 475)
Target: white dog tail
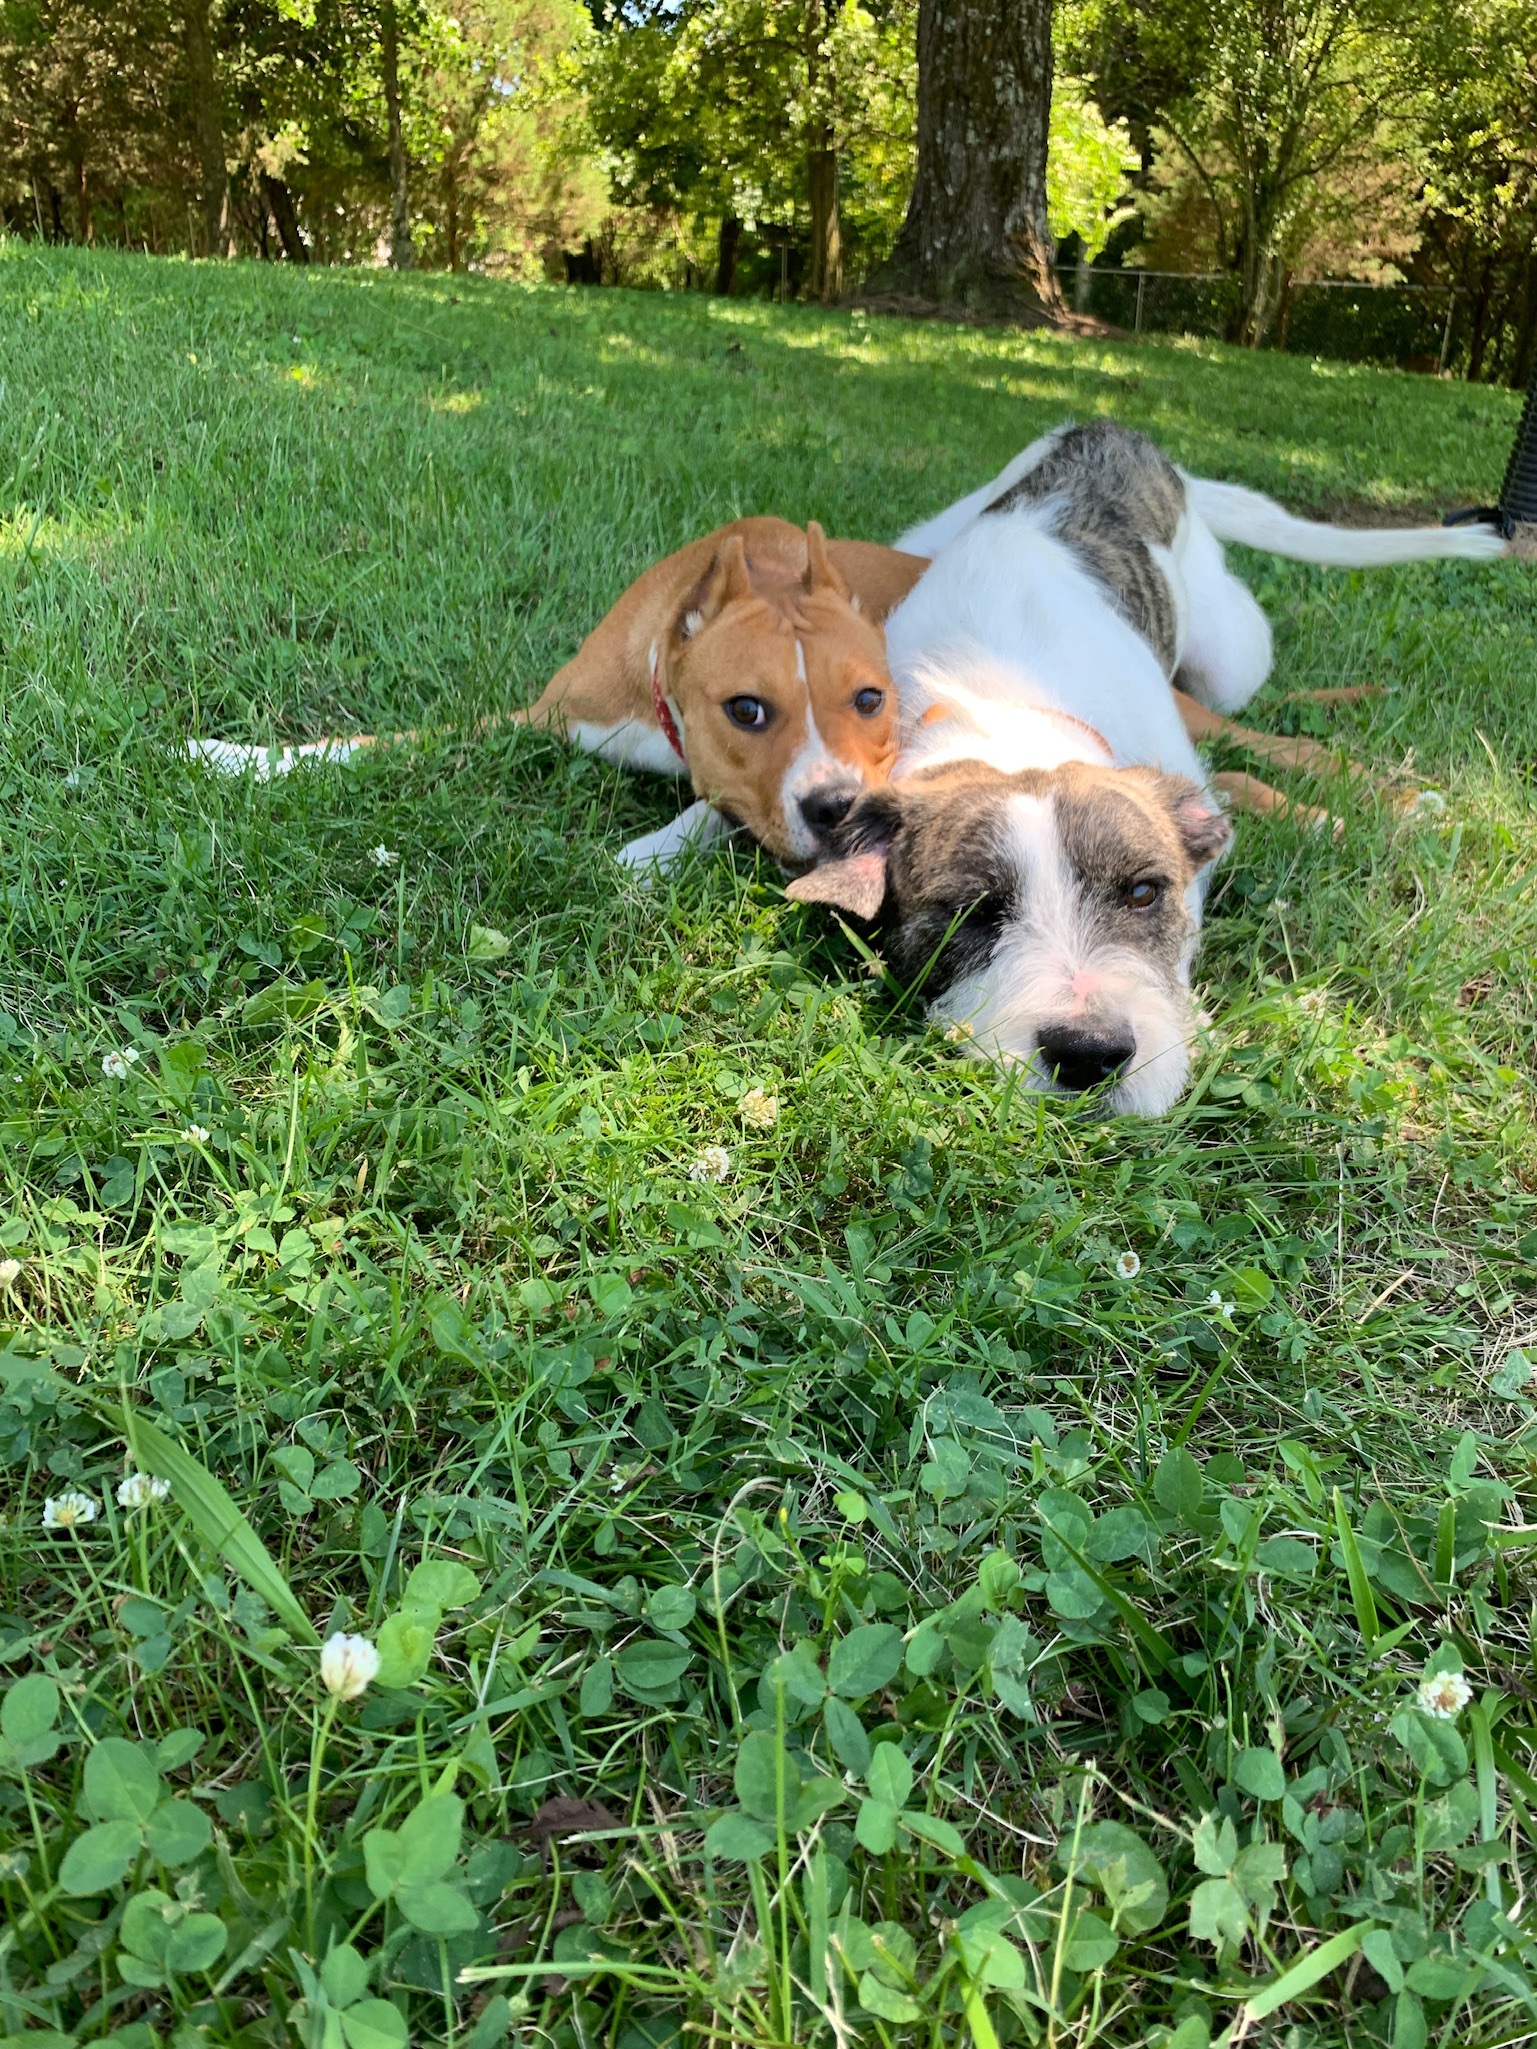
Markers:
point(1234, 514)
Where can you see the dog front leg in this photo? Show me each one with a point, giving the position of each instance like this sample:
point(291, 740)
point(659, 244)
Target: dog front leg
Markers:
point(699, 826)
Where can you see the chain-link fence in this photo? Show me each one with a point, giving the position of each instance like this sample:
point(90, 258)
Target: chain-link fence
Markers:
point(1414, 326)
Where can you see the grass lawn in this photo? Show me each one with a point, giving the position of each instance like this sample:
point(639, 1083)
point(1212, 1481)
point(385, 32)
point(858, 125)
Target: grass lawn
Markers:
point(939, 1636)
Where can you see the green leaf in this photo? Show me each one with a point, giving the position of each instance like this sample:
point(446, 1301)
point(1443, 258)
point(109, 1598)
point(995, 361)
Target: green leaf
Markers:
point(1450, 1820)
point(1259, 1773)
point(429, 1838)
point(339, 1482)
point(597, 1694)
point(147, 1924)
point(890, 1776)
point(760, 1764)
point(651, 1669)
point(383, 1861)
point(214, 1516)
point(1436, 1747)
point(485, 943)
point(1218, 1912)
point(121, 1782)
point(1289, 1556)
point(875, 1825)
point(1116, 1860)
point(1091, 1943)
point(1072, 1594)
point(195, 1944)
point(178, 1833)
point(1177, 1484)
point(96, 1861)
point(27, 1716)
point(611, 1293)
point(886, 2004)
point(404, 1645)
point(177, 1748)
point(943, 1835)
point(1439, 1978)
point(374, 2024)
point(865, 1660)
point(435, 1908)
point(344, 1974)
point(1216, 1845)
point(441, 1583)
point(29, 1710)
point(738, 1839)
point(846, 1733)
point(1409, 2028)
point(813, 1800)
point(1252, 1288)
point(671, 1607)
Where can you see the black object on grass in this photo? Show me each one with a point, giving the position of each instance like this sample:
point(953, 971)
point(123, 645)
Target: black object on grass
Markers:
point(1518, 493)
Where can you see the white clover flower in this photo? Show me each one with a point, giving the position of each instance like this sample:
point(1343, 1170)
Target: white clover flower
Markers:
point(140, 1489)
point(116, 1065)
point(713, 1164)
point(1128, 1266)
point(195, 1134)
point(10, 1272)
point(1444, 1696)
point(1428, 804)
point(958, 1032)
point(68, 1511)
point(1218, 1307)
point(348, 1665)
point(383, 857)
point(759, 1109)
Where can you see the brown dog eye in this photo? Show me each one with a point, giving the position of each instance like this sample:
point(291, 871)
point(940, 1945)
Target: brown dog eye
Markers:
point(1141, 896)
point(868, 702)
point(751, 713)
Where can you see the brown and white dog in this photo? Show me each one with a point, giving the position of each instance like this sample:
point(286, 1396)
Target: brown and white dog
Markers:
point(751, 661)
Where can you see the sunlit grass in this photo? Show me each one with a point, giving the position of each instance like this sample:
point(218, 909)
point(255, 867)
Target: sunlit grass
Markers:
point(852, 1536)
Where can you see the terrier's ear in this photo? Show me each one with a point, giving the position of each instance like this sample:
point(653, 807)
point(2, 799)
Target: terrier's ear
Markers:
point(1202, 825)
point(820, 573)
point(727, 580)
point(856, 884)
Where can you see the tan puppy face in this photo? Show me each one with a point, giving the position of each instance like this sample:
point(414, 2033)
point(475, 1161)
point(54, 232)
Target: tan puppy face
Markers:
point(784, 700)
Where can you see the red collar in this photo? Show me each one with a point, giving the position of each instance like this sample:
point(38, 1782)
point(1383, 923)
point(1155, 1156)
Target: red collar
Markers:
point(663, 710)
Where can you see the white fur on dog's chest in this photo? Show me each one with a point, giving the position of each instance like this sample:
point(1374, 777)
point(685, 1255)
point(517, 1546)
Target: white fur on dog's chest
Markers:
point(631, 743)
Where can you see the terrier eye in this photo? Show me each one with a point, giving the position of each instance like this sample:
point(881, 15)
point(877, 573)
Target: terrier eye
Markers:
point(867, 702)
point(1141, 896)
point(748, 712)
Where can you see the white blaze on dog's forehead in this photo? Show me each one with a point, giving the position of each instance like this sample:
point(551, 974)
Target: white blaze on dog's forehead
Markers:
point(1053, 906)
point(692, 621)
point(813, 766)
point(800, 662)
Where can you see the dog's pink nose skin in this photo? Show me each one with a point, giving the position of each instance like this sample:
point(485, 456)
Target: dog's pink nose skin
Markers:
point(1077, 1057)
point(823, 809)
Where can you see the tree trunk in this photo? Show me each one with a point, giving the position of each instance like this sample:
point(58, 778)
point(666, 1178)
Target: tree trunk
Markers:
point(728, 248)
point(451, 207)
point(210, 129)
point(976, 224)
point(826, 278)
point(402, 253)
point(1523, 368)
point(83, 219)
point(285, 217)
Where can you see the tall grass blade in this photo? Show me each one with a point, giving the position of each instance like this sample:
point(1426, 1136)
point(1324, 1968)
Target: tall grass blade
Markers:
point(1355, 1571)
point(212, 1512)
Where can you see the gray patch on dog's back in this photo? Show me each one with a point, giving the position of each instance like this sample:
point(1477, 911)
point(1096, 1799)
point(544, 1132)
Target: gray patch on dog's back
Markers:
point(1117, 497)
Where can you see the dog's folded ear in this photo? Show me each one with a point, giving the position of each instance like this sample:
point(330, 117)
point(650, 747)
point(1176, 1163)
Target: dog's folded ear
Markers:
point(856, 884)
point(820, 573)
point(1203, 826)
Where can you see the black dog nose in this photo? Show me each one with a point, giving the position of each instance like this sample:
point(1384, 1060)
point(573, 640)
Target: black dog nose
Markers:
point(823, 809)
point(1079, 1058)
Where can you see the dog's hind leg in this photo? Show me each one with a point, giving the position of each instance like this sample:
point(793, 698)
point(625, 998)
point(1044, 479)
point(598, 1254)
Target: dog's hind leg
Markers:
point(1227, 646)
